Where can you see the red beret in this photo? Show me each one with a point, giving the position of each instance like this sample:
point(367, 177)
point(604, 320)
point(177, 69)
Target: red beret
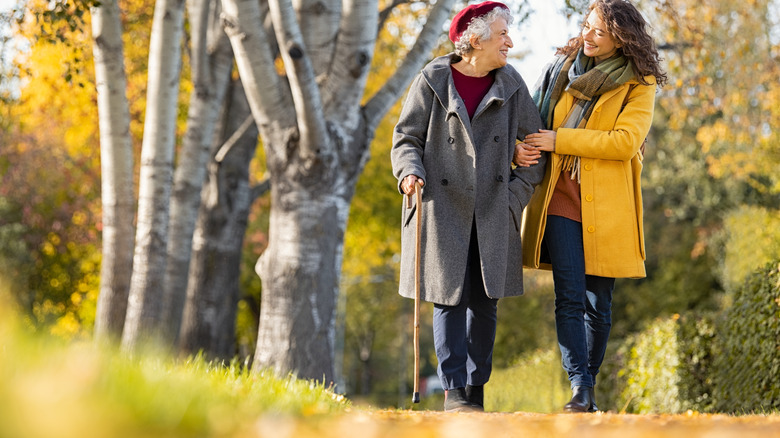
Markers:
point(463, 18)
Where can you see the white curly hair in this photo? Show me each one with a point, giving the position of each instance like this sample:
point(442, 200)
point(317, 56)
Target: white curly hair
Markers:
point(480, 27)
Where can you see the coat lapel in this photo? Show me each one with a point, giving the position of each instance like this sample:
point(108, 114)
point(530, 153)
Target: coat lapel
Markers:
point(504, 87)
point(608, 95)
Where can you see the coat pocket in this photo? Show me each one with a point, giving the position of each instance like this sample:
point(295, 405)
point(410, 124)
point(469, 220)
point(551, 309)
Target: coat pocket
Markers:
point(515, 211)
point(407, 213)
point(517, 217)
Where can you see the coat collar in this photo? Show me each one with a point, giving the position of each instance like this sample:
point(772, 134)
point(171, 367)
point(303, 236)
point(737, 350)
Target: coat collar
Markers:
point(438, 75)
point(609, 94)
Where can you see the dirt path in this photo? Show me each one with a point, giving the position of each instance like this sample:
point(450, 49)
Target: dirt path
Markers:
point(408, 424)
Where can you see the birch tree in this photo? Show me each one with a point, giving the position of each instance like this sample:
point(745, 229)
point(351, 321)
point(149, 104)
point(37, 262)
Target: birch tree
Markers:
point(144, 307)
point(316, 134)
point(116, 155)
point(211, 65)
point(213, 290)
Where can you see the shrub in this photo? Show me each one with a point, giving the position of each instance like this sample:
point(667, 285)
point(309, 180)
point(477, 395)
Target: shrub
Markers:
point(753, 240)
point(698, 348)
point(536, 383)
point(651, 370)
point(747, 372)
point(664, 368)
point(729, 362)
point(609, 383)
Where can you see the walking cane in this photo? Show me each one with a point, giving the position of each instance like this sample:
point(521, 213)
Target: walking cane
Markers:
point(417, 244)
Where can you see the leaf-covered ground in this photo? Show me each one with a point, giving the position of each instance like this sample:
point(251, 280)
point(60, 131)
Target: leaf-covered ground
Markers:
point(430, 424)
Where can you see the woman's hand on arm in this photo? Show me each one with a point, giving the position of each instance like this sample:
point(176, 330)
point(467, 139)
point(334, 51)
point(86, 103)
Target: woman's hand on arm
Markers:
point(525, 155)
point(544, 140)
point(407, 185)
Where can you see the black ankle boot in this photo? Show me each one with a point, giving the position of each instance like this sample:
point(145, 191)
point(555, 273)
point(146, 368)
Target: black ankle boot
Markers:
point(476, 395)
point(581, 400)
point(455, 400)
point(593, 407)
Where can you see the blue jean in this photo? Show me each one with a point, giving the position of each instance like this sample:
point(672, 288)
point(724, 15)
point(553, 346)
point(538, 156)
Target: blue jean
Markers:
point(583, 303)
point(463, 335)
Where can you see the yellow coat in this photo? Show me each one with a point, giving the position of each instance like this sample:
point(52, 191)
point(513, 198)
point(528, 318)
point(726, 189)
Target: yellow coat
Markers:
point(611, 167)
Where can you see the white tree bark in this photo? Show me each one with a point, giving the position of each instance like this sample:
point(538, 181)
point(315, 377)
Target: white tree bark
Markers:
point(316, 136)
point(268, 94)
point(314, 157)
point(116, 160)
point(144, 309)
point(321, 22)
point(300, 73)
point(211, 64)
point(344, 87)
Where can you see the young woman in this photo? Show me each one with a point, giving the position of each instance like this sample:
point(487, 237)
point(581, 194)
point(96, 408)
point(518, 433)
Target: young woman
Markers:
point(585, 221)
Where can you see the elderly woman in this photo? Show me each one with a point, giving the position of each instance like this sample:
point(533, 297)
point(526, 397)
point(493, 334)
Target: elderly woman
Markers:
point(455, 137)
point(585, 223)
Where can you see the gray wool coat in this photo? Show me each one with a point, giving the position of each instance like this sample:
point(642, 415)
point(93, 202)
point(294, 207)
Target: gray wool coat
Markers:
point(466, 166)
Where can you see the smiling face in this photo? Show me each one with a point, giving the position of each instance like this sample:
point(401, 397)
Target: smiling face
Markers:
point(492, 53)
point(597, 42)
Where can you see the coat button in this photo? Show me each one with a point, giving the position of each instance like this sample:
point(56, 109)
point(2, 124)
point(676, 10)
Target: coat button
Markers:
point(450, 140)
point(496, 138)
point(500, 178)
point(589, 198)
point(444, 182)
point(591, 229)
point(588, 166)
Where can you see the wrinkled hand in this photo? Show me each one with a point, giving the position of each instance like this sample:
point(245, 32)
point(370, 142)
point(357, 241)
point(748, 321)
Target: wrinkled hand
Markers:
point(526, 155)
point(407, 185)
point(544, 140)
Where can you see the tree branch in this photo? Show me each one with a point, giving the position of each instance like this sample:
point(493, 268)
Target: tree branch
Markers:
point(305, 93)
point(384, 99)
point(198, 12)
point(233, 140)
point(320, 21)
point(384, 14)
point(269, 98)
point(259, 190)
point(675, 46)
point(352, 61)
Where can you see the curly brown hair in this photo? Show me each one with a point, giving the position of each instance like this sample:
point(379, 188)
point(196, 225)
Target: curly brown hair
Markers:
point(626, 25)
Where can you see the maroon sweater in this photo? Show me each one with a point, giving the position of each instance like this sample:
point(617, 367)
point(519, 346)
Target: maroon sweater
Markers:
point(566, 200)
point(471, 89)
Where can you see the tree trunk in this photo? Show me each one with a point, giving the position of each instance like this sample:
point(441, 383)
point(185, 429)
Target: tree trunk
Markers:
point(316, 136)
point(300, 271)
point(144, 310)
point(211, 68)
point(116, 159)
point(213, 289)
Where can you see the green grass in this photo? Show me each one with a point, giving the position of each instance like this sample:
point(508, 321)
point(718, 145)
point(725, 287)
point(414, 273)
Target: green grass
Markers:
point(49, 388)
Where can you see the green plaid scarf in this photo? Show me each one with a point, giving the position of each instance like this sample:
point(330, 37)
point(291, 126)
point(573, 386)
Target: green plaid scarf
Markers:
point(582, 78)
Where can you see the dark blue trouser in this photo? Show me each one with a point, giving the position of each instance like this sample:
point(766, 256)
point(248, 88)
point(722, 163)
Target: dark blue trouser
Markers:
point(463, 334)
point(583, 303)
